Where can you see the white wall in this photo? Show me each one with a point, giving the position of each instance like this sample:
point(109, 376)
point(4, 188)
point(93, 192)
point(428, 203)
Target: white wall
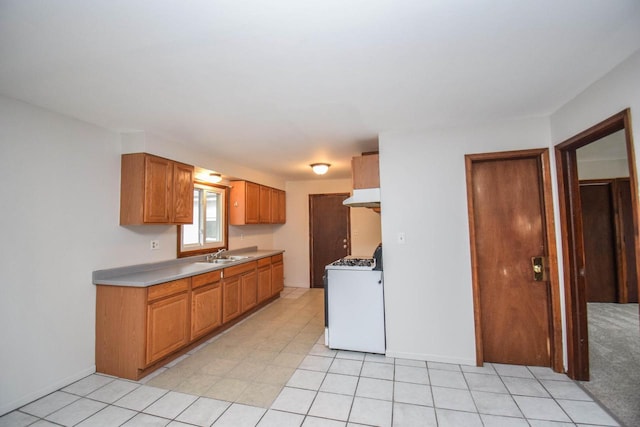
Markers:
point(428, 289)
point(429, 311)
point(617, 90)
point(137, 142)
point(605, 158)
point(260, 235)
point(366, 233)
point(60, 187)
point(59, 183)
point(293, 236)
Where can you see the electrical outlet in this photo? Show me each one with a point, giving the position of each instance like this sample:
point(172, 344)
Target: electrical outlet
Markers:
point(155, 245)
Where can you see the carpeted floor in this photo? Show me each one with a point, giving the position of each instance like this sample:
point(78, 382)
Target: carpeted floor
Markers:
point(614, 357)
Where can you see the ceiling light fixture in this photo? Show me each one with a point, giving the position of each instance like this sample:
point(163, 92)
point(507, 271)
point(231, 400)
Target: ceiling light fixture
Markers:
point(320, 168)
point(214, 178)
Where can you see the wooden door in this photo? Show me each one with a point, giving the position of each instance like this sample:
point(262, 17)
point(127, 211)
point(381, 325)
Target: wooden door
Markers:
point(328, 232)
point(629, 273)
point(599, 241)
point(507, 219)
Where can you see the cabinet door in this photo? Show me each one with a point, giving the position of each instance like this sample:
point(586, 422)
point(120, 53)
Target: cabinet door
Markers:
point(230, 298)
point(365, 171)
point(264, 283)
point(157, 189)
point(182, 194)
point(275, 205)
point(249, 290)
point(277, 277)
point(265, 205)
point(252, 203)
point(167, 326)
point(206, 309)
point(282, 207)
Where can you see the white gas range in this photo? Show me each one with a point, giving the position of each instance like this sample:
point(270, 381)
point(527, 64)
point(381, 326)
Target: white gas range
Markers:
point(354, 305)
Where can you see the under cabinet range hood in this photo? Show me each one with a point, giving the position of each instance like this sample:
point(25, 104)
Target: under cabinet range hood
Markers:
point(364, 198)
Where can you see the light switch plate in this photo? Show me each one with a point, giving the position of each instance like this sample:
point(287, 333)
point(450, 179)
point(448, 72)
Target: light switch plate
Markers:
point(401, 238)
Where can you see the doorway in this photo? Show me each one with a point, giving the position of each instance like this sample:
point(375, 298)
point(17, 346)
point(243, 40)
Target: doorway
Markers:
point(329, 231)
point(573, 237)
point(513, 253)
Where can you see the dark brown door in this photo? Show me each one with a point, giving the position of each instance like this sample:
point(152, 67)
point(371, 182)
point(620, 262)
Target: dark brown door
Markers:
point(328, 232)
point(599, 241)
point(508, 230)
point(625, 210)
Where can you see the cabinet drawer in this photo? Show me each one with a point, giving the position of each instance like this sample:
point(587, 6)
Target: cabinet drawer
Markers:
point(205, 279)
point(166, 289)
point(239, 269)
point(264, 262)
point(276, 258)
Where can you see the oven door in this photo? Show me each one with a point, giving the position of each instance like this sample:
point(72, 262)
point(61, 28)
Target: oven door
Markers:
point(355, 310)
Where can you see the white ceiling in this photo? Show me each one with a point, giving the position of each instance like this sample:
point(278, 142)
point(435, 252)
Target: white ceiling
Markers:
point(279, 84)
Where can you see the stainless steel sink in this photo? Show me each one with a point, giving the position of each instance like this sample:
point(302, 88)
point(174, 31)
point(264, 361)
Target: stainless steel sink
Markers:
point(225, 260)
point(237, 257)
point(217, 261)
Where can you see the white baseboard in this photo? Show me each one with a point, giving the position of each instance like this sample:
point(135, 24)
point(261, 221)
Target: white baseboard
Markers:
point(10, 406)
point(431, 358)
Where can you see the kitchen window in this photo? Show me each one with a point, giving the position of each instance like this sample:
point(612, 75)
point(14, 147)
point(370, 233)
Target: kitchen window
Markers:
point(209, 229)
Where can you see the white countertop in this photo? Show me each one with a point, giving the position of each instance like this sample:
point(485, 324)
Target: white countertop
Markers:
point(143, 275)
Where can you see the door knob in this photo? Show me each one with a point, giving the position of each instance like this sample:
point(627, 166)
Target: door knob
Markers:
point(539, 267)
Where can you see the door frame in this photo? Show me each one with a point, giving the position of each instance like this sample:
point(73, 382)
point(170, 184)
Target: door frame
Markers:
point(555, 327)
point(311, 252)
point(572, 237)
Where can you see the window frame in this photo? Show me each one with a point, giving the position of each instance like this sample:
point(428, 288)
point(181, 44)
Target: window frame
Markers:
point(201, 250)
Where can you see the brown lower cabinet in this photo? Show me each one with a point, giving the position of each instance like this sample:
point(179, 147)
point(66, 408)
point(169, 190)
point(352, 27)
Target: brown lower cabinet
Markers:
point(277, 274)
point(239, 290)
point(206, 303)
point(138, 329)
point(167, 326)
point(264, 279)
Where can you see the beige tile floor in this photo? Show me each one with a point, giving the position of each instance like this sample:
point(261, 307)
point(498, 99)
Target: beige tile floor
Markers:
point(251, 362)
point(328, 387)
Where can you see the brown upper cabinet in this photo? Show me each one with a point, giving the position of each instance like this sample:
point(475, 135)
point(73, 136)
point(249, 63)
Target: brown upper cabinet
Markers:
point(155, 190)
point(265, 205)
point(253, 203)
point(278, 206)
point(365, 171)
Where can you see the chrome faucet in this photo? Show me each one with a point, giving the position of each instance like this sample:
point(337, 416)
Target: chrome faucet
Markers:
point(211, 257)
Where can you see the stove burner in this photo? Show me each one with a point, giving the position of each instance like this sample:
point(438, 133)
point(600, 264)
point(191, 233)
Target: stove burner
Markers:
point(354, 262)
